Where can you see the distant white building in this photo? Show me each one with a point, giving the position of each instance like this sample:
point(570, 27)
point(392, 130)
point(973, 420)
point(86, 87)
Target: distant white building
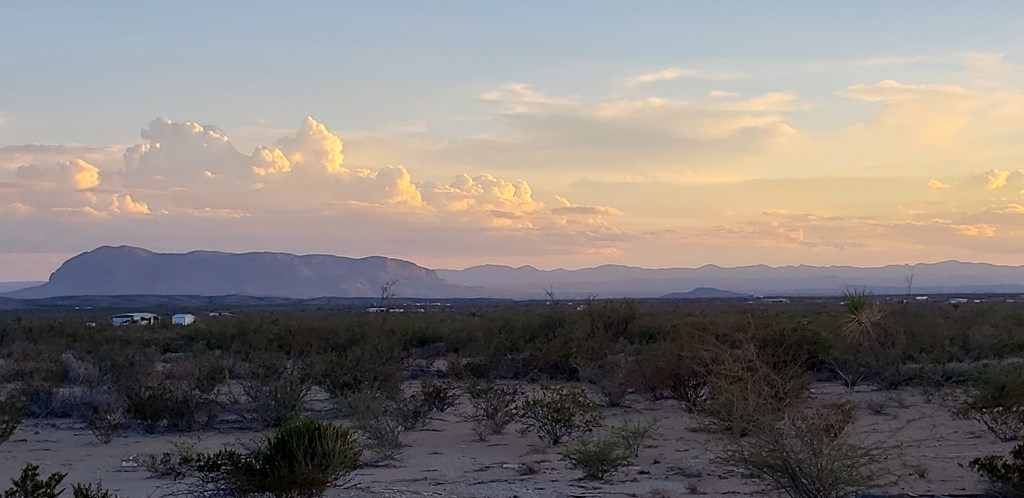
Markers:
point(135, 319)
point(183, 319)
point(219, 313)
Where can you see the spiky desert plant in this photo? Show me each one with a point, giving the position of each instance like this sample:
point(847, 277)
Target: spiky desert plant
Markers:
point(862, 314)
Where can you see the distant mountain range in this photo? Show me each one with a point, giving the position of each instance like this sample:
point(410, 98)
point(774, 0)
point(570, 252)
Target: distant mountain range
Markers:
point(124, 270)
point(13, 286)
point(130, 271)
point(703, 293)
point(616, 280)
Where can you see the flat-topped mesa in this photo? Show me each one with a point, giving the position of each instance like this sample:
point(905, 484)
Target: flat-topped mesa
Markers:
point(128, 270)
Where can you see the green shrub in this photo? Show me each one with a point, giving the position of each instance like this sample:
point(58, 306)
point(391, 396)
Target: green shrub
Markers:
point(493, 407)
point(673, 369)
point(275, 391)
point(1005, 474)
point(750, 390)
point(598, 458)
point(558, 413)
point(810, 455)
point(632, 435)
point(381, 419)
point(302, 459)
point(91, 490)
point(104, 414)
point(613, 377)
point(439, 394)
point(30, 485)
point(997, 401)
point(11, 411)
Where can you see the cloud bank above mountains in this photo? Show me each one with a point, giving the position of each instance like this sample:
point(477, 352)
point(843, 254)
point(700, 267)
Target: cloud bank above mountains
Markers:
point(866, 172)
point(188, 182)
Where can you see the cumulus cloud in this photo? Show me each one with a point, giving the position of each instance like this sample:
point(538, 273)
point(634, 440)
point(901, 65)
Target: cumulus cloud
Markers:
point(125, 204)
point(14, 156)
point(179, 155)
point(390, 185)
point(486, 193)
point(76, 173)
point(313, 147)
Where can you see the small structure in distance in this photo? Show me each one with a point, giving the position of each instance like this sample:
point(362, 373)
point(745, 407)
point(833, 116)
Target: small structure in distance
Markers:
point(183, 319)
point(136, 318)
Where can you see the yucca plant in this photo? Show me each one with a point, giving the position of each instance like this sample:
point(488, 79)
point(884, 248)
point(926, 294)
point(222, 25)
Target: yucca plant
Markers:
point(862, 314)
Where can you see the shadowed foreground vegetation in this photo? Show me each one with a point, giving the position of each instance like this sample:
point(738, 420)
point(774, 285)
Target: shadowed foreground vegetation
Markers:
point(745, 368)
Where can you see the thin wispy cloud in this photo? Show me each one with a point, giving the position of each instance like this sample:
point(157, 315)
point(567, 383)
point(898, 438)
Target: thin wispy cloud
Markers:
point(677, 73)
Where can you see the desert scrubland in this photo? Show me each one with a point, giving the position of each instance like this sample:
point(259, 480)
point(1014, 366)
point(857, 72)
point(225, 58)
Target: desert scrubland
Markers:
point(811, 398)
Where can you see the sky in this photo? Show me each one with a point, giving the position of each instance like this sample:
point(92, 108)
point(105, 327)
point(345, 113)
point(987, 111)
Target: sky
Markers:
point(555, 134)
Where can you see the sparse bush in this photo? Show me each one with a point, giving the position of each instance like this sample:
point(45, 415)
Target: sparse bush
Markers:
point(612, 376)
point(673, 369)
point(79, 372)
point(558, 413)
point(11, 414)
point(632, 435)
point(1005, 474)
point(103, 412)
point(172, 464)
point(39, 382)
point(597, 458)
point(300, 460)
point(997, 401)
point(91, 490)
point(439, 394)
point(750, 391)
point(381, 419)
point(180, 397)
point(372, 365)
point(493, 407)
point(30, 485)
point(810, 455)
point(275, 391)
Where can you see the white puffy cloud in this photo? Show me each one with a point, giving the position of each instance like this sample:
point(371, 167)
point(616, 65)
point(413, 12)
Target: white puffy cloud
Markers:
point(390, 185)
point(14, 156)
point(486, 193)
point(270, 161)
point(125, 204)
point(314, 147)
point(180, 154)
point(76, 173)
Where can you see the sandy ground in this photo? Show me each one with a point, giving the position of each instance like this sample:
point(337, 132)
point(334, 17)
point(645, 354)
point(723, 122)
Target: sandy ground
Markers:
point(444, 460)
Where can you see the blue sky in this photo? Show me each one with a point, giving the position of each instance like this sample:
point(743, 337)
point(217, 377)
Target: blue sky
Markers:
point(546, 133)
point(91, 72)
